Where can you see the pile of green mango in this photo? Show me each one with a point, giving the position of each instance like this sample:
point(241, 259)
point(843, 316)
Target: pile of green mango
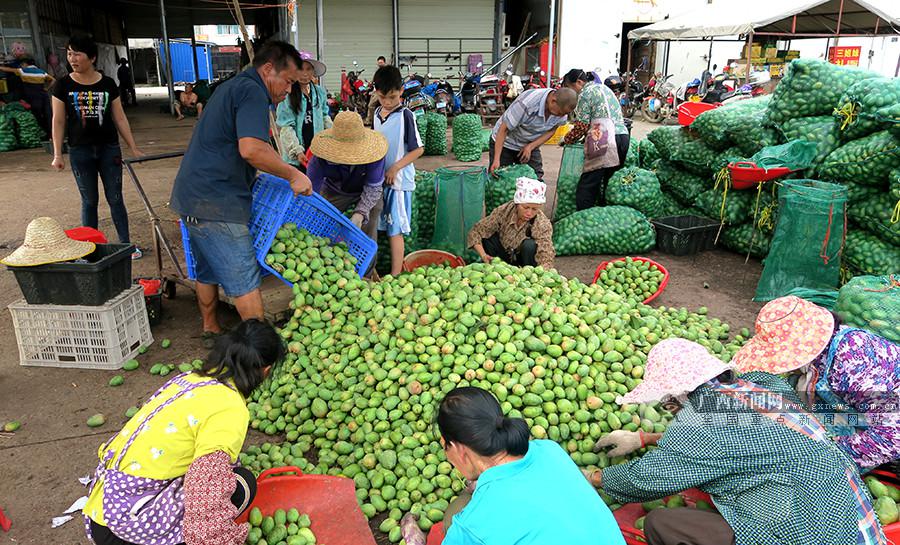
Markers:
point(368, 364)
point(672, 502)
point(295, 251)
point(632, 278)
point(282, 528)
point(887, 498)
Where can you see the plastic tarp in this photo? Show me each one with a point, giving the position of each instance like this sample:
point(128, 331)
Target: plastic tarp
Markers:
point(725, 18)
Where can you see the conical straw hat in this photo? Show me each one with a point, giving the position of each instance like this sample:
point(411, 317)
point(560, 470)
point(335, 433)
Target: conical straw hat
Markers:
point(348, 142)
point(46, 242)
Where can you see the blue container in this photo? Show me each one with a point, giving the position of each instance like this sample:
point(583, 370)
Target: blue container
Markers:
point(183, 65)
point(275, 204)
point(189, 265)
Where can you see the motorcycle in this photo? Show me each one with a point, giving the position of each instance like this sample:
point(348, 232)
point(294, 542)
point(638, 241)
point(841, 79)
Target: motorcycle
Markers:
point(360, 93)
point(629, 90)
point(491, 94)
point(659, 99)
point(413, 95)
point(443, 96)
point(469, 93)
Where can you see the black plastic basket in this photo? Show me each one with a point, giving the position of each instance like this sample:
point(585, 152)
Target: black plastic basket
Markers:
point(92, 280)
point(685, 235)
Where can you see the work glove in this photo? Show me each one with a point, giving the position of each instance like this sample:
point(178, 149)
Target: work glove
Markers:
point(625, 442)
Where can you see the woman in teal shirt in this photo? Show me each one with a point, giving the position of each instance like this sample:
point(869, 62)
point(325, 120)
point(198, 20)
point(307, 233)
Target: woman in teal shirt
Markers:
point(526, 492)
point(304, 113)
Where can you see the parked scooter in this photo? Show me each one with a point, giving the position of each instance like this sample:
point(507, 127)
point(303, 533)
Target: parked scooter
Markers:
point(659, 99)
point(491, 94)
point(443, 96)
point(469, 92)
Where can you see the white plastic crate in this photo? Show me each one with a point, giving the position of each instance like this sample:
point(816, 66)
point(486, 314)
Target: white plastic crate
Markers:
point(85, 337)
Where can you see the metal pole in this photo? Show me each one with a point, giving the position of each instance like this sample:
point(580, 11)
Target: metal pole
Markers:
point(39, 59)
point(550, 42)
point(709, 55)
point(194, 53)
point(498, 32)
point(296, 12)
point(320, 30)
point(395, 12)
point(168, 60)
point(630, 47)
point(749, 53)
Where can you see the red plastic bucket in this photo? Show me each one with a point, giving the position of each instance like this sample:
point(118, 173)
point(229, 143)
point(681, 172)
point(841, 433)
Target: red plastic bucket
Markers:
point(329, 501)
point(424, 258)
point(689, 111)
point(662, 285)
point(87, 234)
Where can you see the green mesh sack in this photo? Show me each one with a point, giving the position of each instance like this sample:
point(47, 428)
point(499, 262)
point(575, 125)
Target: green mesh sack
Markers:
point(459, 204)
point(894, 187)
point(871, 303)
point(467, 137)
point(647, 153)
point(422, 126)
point(486, 139)
point(748, 130)
point(861, 192)
point(679, 145)
point(874, 214)
point(811, 87)
point(808, 240)
point(820, 130)
point(436, 134)
point(501, 187)
point(616, 230)
point(730, 155)
point(683, 185)
point(671, 207)
point(868, 160)
point(746, 240)
point(567, 182)
point(423, 210)
point(637, 188)
point(633, 158)
point(868, 106)
point(730, 207)
point(7, 132)
point(868, 254)
point(795, 155)
point(713, 126)
point(27, 131)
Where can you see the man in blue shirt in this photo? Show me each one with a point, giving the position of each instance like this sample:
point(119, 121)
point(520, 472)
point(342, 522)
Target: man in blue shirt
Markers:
point(212, 191)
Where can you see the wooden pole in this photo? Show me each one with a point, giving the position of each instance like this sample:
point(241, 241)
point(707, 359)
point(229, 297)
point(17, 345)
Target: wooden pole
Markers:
point(250, 53)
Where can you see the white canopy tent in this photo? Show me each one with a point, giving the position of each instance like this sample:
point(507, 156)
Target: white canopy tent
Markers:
point(780, 19)
point(788, 18)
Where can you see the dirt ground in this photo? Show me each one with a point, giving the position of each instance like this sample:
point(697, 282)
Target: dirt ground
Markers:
point(40, 464)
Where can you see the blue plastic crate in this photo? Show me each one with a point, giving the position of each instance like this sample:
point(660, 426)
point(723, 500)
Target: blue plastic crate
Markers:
point(275, 204)
point(188, 254)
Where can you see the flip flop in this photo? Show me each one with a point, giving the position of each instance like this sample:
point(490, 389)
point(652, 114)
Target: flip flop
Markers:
point(209, 338)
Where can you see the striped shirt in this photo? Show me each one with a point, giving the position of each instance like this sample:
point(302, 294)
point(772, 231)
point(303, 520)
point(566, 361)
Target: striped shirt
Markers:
point(526, 119)
point(772, 485)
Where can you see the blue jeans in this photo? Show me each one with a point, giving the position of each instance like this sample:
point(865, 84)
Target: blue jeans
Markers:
point(224, 255)
point(105, 160)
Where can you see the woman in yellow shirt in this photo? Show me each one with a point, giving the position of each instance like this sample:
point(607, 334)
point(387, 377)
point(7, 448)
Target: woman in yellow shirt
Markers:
point(169, 477)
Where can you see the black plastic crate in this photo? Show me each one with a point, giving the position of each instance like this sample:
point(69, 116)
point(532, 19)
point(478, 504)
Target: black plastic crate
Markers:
point(685, 235)
point(92, 280)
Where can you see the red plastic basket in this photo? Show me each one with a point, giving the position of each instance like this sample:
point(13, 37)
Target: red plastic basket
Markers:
point(688, 111)
point(424, 258)
point(662, 285)
point(86, 234)
point(891, 531)
point(329, 501)
point(629, 513)
point(746, 175)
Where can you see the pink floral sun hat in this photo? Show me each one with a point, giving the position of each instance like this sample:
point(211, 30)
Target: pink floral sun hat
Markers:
point(530, 191)
point(790, 333)
point(675, 367)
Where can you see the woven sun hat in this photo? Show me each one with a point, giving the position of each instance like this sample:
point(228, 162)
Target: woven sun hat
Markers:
point(348, 142)
point(675, 367)
point(790, 333)
point(318, 66)
point(46, 242)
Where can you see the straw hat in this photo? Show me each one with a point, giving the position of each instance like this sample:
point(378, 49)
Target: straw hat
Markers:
point(790, 333)
point(318, 66)
point(348, 142)
point(675, 367)
point(46, 242)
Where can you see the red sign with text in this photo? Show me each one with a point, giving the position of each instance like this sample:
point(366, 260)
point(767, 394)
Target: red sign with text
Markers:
point(844, 55)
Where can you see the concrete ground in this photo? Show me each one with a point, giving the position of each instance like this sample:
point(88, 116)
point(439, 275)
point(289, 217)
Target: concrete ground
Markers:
point(41, 463)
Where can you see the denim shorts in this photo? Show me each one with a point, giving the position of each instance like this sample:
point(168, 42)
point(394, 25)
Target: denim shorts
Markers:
point(223, 254)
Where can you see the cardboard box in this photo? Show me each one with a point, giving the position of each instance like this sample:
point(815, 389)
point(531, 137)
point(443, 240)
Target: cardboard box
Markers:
point(755, 50)
point(775, 70)
point(770, 52)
